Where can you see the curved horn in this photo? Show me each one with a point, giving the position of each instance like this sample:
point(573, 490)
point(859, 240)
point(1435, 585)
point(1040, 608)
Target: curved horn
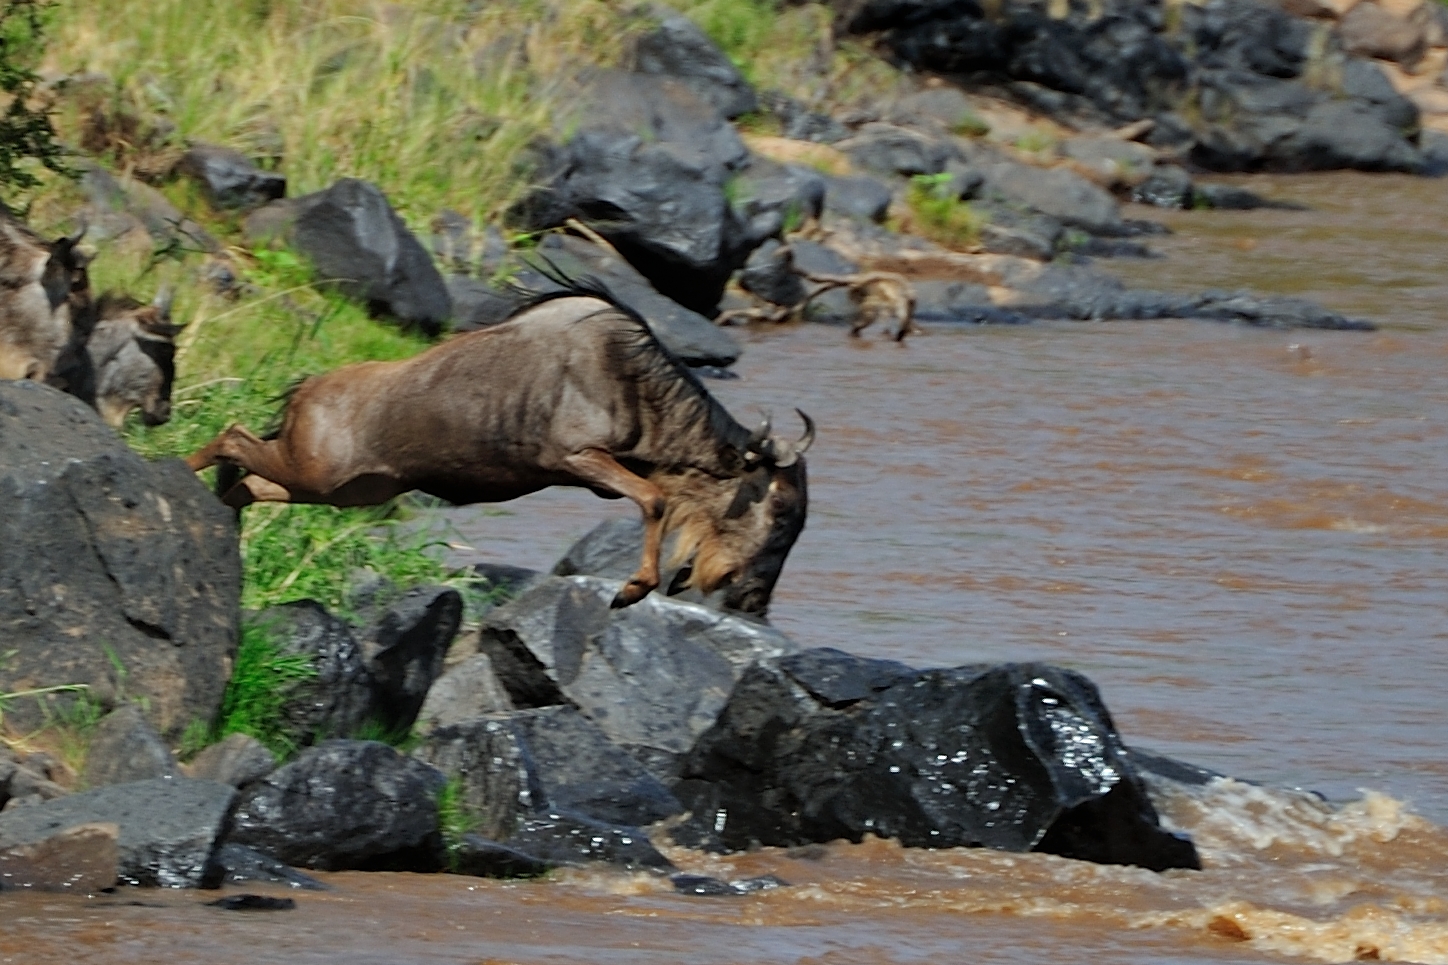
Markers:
point(162, 301)
point(760, 435)
point(806, 440)
point(79, 234)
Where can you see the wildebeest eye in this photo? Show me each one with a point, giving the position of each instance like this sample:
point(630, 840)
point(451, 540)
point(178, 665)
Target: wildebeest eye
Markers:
point(752, 488)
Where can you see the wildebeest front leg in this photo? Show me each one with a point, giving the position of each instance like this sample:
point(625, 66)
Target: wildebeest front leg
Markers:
point(598, 468)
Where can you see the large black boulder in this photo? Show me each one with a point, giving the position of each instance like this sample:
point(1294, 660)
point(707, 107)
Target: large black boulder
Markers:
point(652, 676)
point(405, 645)
point(689, 336)
point(170, 828)
point(229, 179)
point(525, 762)
point(116, 574)
point(337, 699)
point(649, 168)
point(345, 804)
point(354, 239)
point(822, 745)
point(678, 48)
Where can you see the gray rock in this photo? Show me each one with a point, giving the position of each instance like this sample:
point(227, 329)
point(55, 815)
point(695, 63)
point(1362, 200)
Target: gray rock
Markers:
point(961, 303)
point(405, 647)
point(244, 866)
point(1347, 134)
point(345, 804)
point(123, 748)
point(945, 107)
point(560, 838)
point(1062, 194)
point(691, 337)
point(476, 304)
point(116, 206)
point(799, 123)
point(83, 859)
point(229, 179)
point(115, 573)
point(770, 274)
point(1120, 162)
point(768, 198)
point(354, 239)
point(237, 760)
point(890, 149)
point(1168, 187)
point(524, 763)
point(678, 48)
point(1368, 30)
point(1364, 81)
point(652, 676)
point(169, 827)
point(648, 169)
point(339, 699)
point(858, 196)
point(23, 783)
point(1009, 230)
point(466, 692)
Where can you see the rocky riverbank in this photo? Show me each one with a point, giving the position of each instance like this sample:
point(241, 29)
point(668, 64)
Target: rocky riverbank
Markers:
point(556, 731)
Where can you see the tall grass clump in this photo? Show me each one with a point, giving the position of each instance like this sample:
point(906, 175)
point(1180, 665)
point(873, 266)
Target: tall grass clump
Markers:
point(262, 679)
point(434, 100)
point(791, 47)
point(936, 212)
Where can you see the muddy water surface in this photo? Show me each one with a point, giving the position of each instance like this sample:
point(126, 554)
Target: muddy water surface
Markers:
point(1241, 536)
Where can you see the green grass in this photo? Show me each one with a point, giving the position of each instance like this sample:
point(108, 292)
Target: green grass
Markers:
point(262, 680)
point(434, 100)
point(939, 215)
point(970, 125)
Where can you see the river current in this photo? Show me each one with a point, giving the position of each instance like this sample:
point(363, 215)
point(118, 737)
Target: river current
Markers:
point(1240, 535)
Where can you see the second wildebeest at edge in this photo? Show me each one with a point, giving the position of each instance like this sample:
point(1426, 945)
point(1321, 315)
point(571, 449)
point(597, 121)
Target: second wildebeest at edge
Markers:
point(572, 390)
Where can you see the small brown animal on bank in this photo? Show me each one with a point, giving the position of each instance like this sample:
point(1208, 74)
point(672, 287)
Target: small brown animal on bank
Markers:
point(44, 297)
point(127, 361)
point(573, 390)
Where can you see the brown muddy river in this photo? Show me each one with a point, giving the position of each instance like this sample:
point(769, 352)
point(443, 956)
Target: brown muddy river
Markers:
point(1240, 535)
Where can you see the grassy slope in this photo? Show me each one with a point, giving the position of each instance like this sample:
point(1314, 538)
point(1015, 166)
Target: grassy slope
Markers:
point(433, 100)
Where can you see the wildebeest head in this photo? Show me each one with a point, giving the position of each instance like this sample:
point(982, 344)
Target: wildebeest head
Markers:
point(46, 299)
point(133, 355)
point(736, 533)
point(64, 276)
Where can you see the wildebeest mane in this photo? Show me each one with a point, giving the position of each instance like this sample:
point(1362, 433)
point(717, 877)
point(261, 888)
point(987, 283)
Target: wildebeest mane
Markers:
point(668, 382)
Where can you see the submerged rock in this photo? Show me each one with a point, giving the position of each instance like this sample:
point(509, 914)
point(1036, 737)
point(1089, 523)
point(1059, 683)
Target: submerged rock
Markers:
point(345, 804)
point(169, 828)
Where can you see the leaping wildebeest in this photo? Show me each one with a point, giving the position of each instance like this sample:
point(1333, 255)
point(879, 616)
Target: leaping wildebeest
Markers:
point(572, 390)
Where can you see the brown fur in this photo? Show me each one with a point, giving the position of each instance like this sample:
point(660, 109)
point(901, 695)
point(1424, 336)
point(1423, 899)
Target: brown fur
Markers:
point(574, 391)
point(44, 300)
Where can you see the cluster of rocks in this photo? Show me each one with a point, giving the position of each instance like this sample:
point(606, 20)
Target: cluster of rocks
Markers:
point(651, 187)
point(561, 732)
point(1230, 84)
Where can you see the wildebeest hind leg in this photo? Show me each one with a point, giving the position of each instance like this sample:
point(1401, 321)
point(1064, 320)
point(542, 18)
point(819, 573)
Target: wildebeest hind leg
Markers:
point(238, 448)
point(598, 468)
